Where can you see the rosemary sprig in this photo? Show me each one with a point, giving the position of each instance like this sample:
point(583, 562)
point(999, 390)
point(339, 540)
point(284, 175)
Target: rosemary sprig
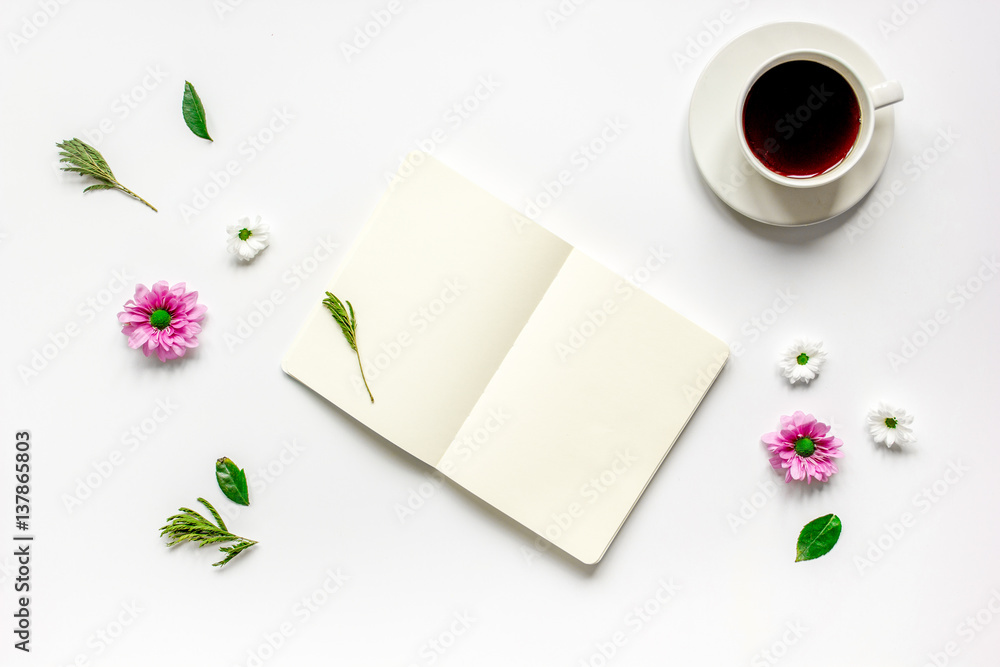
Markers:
point(87, 161)
point(349, 325)
point(189, 526)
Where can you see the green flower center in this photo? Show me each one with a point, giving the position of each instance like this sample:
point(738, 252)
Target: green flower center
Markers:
point(245, 234)
point(890, 422)
point(803, 359)
point(804, 447)
point(159, 319)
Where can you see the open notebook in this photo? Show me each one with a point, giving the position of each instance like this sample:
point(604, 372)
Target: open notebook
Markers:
point(515, 364)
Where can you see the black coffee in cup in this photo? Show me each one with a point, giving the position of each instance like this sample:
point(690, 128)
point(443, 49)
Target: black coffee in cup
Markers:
point(801, 119)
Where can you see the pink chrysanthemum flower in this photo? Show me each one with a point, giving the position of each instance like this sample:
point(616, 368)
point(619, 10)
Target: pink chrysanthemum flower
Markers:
point(804, 448)
point(164, 319)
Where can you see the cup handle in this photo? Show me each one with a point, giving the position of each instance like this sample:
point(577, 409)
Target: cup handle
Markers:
point(886, 93)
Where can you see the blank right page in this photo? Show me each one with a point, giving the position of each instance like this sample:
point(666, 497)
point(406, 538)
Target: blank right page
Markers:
point(584, 408)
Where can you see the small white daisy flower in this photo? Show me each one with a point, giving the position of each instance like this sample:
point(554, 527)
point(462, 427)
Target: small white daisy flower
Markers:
point(890, 425)
point(802, 360)
point(246, 239)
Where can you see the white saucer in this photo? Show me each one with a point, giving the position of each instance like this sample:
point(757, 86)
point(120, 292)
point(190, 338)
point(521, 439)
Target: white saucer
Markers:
point(716, 148)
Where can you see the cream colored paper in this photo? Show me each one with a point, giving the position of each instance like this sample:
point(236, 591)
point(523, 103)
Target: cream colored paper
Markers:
point(545, 384)
point(442, 280)
point(592, 395)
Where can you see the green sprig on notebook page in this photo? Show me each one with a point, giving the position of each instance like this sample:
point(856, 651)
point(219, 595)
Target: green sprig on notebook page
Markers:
point(349, 325)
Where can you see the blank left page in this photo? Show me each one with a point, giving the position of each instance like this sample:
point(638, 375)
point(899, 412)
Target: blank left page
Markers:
point(442, 279)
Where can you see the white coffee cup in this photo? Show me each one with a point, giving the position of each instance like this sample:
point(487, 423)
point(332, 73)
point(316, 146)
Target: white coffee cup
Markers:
point(869, 99)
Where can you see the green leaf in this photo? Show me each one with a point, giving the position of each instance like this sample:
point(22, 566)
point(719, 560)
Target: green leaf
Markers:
point(87, 161)
point(818, 537)
point(194, 112)
point(232, 481)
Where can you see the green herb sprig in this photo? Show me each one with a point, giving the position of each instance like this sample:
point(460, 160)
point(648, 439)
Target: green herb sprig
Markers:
point(87, 161)
point(189, 526)
point(349, 325)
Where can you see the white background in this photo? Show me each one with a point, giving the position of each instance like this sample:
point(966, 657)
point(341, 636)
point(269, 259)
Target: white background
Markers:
point(333, 502)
